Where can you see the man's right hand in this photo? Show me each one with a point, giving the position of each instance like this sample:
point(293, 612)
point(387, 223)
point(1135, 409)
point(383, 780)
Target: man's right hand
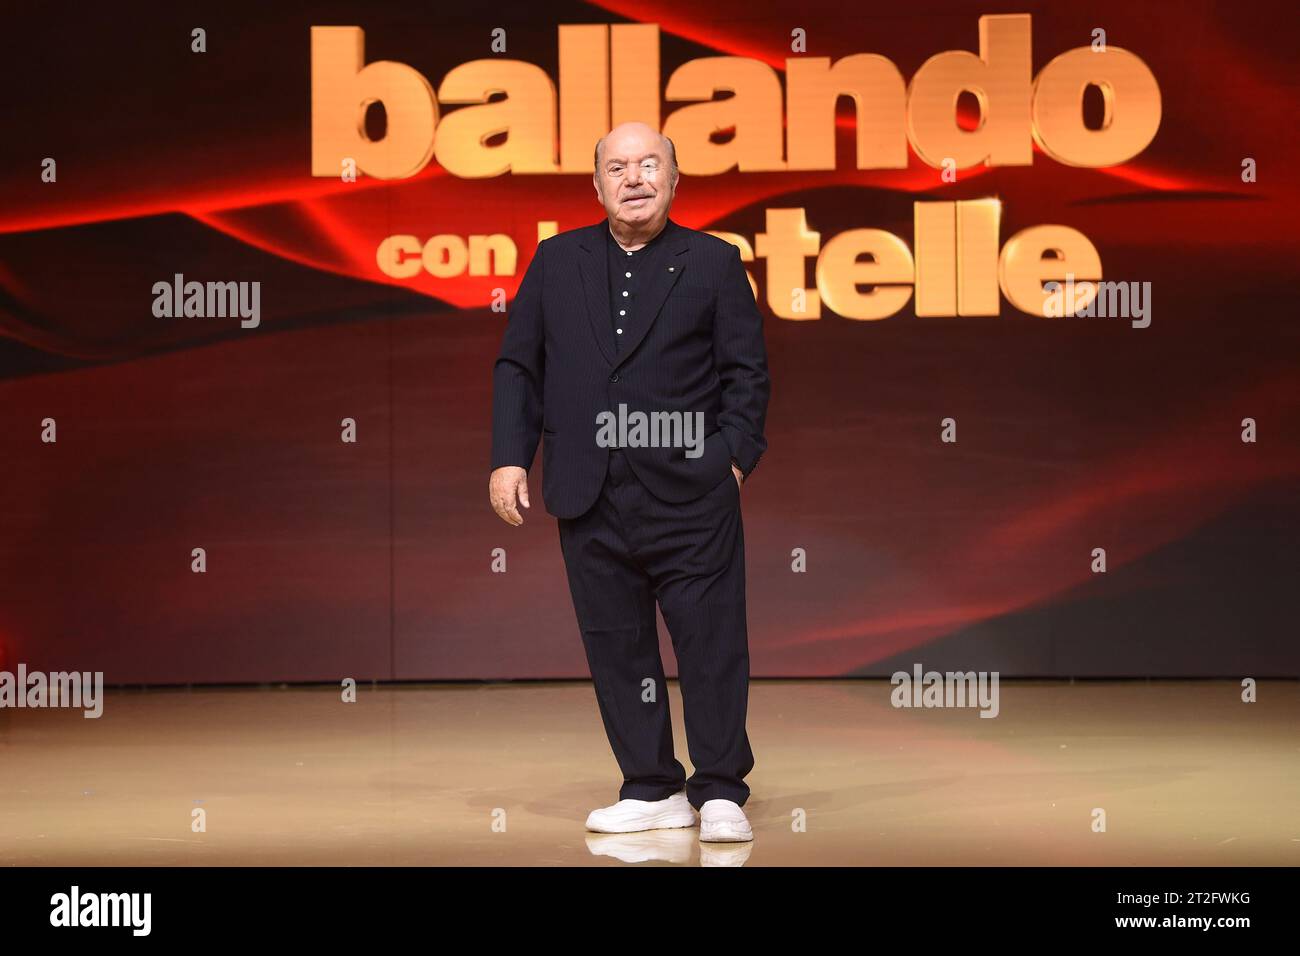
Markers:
point(507, 489)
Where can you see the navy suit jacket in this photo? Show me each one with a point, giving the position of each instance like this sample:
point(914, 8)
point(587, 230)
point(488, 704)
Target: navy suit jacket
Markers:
point(697, 347)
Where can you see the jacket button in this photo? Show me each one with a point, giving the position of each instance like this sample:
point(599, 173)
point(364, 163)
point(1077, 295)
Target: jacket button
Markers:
point(614, 377)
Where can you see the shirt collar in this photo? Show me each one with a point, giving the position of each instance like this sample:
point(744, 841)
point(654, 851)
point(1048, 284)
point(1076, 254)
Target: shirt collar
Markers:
point(646, 248)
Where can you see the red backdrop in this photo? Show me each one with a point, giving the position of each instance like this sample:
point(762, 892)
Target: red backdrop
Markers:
point(373, 559)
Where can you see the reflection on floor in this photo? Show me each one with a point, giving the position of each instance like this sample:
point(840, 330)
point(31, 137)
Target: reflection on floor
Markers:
point(505, 774)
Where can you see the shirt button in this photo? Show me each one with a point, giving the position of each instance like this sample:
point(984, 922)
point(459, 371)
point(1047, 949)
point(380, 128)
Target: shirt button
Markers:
point(622, 311)
point(628, 274)
point(619, 331)
point(625, 291)
point(614, 377)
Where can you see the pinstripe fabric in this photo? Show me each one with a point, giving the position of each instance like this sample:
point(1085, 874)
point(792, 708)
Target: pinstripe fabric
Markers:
point(697, 347)
point(643, 525)
point(622, 555)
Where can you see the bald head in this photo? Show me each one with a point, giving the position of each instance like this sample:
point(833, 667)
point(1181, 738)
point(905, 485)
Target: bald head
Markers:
point(667, 149)
point(635, 179)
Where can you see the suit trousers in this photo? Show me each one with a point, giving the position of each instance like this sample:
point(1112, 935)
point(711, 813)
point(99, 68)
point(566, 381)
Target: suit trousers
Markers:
point(629, 550)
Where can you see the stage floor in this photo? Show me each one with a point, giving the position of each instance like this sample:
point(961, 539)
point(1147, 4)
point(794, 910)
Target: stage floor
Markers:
point(505, 774)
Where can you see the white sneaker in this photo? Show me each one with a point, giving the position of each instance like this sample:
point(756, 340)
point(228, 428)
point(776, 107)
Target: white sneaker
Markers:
point(629, 816)
point(722, 821)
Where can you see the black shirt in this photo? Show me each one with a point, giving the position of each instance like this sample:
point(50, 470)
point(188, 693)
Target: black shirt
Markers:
point(629, 274)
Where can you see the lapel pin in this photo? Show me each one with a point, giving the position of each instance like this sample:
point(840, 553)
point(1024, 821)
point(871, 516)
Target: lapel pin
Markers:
point(670, 268)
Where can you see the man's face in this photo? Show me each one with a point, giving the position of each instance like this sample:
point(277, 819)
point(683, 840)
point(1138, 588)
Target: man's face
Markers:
point(634, 181)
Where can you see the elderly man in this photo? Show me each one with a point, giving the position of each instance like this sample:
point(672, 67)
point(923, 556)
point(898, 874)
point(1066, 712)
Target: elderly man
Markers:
point(638, 314)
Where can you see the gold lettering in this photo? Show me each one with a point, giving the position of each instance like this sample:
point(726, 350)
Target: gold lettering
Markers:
point(1000, 78)
point(1058, 107)
point(890, 271)
point(754, 112)
point(785, 245)
point(526, 116)
point(341, 91)
point(879, 93)
point(1022, 267)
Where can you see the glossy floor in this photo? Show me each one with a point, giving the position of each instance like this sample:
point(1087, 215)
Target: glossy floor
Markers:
point(1185, 773)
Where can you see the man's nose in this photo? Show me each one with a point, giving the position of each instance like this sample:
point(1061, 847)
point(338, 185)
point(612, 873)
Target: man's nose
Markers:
point(633, 175)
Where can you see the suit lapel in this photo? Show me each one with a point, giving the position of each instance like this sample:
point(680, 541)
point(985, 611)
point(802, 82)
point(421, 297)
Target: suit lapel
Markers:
point(670, 264)
point(594, 269)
